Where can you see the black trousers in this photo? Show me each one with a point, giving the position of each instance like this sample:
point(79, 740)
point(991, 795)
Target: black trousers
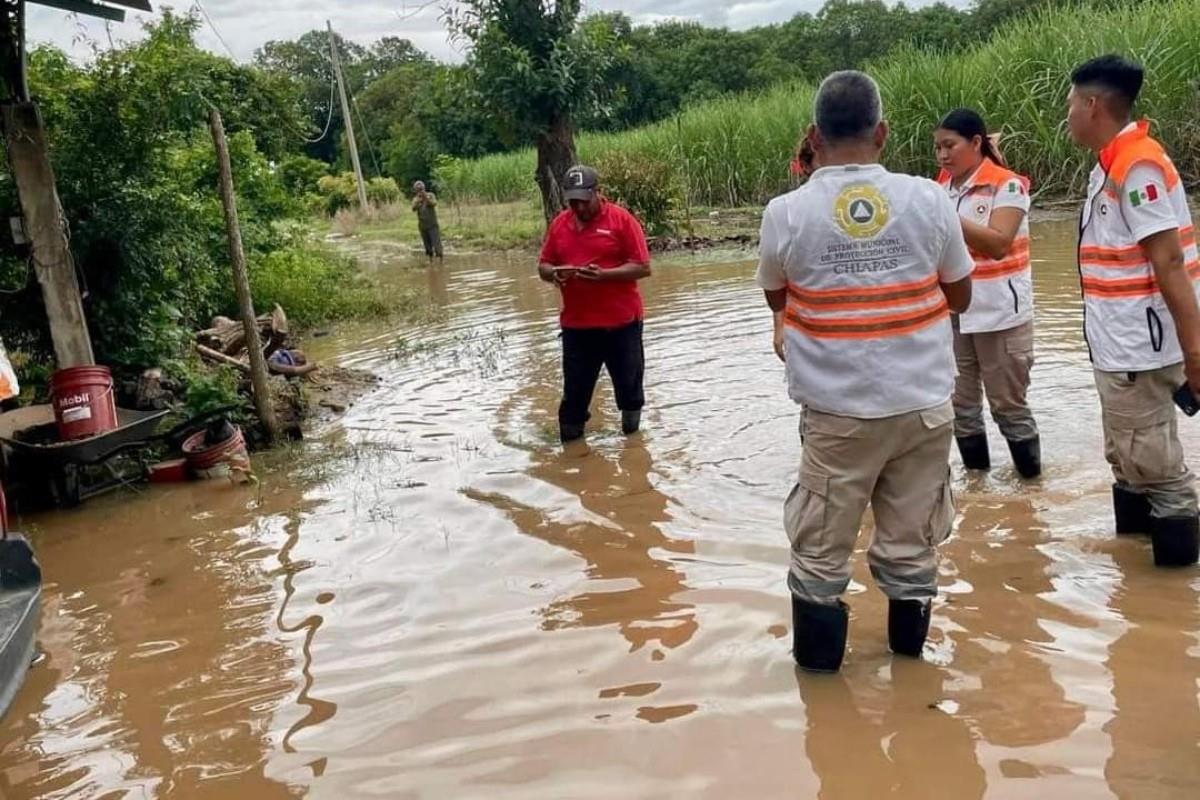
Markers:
point(585, 350)
point(432, 239)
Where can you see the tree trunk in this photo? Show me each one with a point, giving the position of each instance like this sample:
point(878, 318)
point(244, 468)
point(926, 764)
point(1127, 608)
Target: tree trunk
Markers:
point(556, 154)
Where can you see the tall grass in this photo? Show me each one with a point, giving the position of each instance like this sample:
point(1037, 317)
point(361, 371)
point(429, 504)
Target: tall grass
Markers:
point(736, 150)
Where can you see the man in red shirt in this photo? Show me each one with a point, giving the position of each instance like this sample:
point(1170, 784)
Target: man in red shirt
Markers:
point(596, 252)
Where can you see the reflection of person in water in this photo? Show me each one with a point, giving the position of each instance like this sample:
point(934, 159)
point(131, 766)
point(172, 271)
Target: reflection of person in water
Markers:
point(1156, 722)
point(1019, 703)
point(617, 487)
point(885, 740)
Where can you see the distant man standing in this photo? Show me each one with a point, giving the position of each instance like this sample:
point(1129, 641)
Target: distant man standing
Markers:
point(425, 205)
point(1138, 267)
point(866, 266)
point(595, 252)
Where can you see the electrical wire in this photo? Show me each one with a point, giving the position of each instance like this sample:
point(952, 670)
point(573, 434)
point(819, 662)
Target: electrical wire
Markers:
point(329, 119)
point(366, 136)
point(221, 38)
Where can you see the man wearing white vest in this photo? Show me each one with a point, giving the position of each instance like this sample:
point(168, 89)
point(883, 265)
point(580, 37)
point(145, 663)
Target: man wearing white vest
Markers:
point(866, 266)
point(1138, 267)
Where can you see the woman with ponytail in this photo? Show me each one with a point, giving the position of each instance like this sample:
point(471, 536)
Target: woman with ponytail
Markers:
point(993, 339)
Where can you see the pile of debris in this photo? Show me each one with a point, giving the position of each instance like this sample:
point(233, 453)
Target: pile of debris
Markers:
point(294, 378)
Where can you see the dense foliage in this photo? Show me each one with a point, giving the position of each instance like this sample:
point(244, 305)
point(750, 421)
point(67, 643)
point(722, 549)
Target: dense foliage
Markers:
point(137, 179)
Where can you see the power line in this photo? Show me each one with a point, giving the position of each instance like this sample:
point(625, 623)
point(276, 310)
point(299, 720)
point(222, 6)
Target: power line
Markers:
point(329, 119)
point(212, 25)
point(366, 135)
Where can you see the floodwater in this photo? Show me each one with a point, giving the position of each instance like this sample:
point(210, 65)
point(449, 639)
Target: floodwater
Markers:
point(430, 600)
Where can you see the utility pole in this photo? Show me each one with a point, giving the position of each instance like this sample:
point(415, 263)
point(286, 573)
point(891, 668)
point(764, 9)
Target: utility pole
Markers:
point(337, 71)
point(241, 283)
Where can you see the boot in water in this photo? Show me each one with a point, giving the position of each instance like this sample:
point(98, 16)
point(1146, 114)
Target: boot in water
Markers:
point(1131, 510)
point(819, 634)
point(974, 451)
point(1176, 540)
point(908, 625)
point(1027, 456)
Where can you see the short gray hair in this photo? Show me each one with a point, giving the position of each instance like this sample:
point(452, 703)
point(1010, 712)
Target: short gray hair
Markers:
point(847, 106)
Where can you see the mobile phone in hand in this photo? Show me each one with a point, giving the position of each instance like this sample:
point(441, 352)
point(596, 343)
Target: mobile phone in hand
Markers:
point(1186, 400)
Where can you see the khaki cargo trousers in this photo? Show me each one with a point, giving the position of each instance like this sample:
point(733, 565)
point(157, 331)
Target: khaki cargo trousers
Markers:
point(996, 363)
point(900, 467)
point(1141, 437)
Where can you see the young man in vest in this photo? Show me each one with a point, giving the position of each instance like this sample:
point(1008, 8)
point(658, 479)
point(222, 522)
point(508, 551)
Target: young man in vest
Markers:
point(1138, 267)
point(866, 266)
point(595, 252)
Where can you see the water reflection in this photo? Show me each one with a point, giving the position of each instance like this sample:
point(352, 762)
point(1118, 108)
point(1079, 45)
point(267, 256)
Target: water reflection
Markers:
point(888, 736)
point(1155, 727)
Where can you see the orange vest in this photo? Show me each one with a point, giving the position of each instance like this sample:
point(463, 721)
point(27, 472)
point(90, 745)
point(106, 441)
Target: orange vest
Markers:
point(1002, 291)
point(1127, 324)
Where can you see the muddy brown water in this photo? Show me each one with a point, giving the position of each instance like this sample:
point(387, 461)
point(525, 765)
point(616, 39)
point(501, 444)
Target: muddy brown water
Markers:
point(431, 600)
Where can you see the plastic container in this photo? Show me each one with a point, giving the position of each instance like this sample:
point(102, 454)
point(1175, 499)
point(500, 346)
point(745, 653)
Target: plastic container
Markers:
point(212, 461)
point(83, 402)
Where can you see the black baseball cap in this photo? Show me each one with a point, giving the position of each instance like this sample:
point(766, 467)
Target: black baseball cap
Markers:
point(580, 183)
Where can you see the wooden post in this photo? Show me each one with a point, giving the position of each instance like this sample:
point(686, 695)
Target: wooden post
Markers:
point(337, 71)
point(241, 282)
point(29, 161)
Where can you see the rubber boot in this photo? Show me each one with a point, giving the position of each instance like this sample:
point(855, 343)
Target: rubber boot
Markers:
point(1130, 510)
point(819, 634)
point(908, 625)
point(568, 432)
point(631, 421)
point(1027, 456)
point(1176, 540)
point(974, 451)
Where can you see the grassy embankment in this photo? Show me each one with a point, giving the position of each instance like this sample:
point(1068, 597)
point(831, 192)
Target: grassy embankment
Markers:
point(734, 152)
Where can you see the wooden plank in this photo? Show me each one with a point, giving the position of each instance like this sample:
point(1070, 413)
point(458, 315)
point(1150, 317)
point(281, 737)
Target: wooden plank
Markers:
point(53, 265)
point(85, 7)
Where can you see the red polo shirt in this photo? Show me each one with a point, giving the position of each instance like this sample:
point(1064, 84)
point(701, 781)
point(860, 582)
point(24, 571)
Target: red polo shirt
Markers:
point(614, 237)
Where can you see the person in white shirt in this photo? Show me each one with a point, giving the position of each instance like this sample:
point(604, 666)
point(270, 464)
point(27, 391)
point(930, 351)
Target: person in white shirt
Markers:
point(993, 339)
point(865, 266)
point(1138, 268)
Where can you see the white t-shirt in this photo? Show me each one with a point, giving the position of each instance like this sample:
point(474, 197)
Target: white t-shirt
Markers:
point(862, 252)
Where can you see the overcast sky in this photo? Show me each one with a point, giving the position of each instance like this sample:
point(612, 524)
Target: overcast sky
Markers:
point(247, 25)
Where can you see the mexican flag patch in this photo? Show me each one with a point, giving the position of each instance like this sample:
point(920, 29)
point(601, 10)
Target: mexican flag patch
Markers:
point(1147, 194)
point(1015, 187)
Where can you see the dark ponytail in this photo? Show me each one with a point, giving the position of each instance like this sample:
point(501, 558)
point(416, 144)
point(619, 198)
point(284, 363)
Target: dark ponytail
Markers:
point(968, 124)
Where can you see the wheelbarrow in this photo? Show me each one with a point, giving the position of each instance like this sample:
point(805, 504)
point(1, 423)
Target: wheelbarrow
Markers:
point(67, 469)
point(20, 602)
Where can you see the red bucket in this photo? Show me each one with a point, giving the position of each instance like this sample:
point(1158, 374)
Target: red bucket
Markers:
point(83, 402)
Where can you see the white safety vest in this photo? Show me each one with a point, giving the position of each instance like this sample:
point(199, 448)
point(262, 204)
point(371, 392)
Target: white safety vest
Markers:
point(861, 252)
point(1134, 192)
point(1001, 289)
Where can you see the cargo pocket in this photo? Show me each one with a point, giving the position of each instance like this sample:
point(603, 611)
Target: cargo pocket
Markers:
point(1150, 454)
point(934, 418)
point(804, 511)
point(941, 517)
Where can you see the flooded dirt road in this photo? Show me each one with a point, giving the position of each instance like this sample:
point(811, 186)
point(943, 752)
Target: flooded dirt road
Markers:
point(433, 601)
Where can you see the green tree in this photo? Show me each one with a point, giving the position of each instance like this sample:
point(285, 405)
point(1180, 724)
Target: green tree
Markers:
point(535, 68)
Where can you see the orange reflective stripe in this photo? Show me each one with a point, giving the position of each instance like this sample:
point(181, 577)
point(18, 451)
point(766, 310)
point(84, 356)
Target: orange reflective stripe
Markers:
point(1129, 256)
point(1016, 261)
point(877, 327)
point(1129, 287)
point(863, 297)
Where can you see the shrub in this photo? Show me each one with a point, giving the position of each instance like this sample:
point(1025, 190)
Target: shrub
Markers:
point(645, 185)
point(313, 284)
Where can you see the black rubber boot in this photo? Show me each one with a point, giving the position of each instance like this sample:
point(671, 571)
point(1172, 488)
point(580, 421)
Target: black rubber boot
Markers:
point(974, 451)
point(908, 625)
point(1176, 540)
point(569, 433)
point(819, 634)
point(631, 421)
point(1027, 456)
point(1130, 510)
